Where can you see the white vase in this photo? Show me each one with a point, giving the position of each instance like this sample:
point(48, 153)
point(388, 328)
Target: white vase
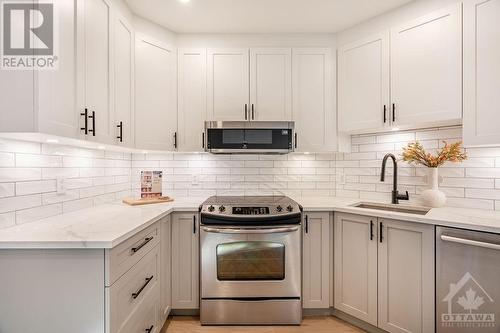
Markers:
point(433, 197)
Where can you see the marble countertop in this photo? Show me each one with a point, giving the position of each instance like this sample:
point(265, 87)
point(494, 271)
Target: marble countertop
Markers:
point(108, 225)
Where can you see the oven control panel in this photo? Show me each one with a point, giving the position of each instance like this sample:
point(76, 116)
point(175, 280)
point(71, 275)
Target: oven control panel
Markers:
point(250, 206)
point(251, 210)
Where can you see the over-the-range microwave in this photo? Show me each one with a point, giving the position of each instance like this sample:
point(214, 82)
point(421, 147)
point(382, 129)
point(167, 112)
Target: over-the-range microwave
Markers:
point(226, 137)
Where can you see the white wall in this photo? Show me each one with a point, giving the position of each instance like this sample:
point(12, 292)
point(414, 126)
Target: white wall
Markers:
point(385, 21)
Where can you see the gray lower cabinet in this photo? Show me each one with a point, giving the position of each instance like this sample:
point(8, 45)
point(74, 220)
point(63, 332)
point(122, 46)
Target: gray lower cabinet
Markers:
point(384, 272)
point(185, 261)
point(316, 261)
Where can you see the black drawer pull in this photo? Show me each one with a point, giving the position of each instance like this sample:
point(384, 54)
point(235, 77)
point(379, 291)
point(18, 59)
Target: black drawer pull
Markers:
point(138, 292)
point(194, 224)
point(381, 232)
point(385, 113)
point(307, 224)
point(149, 330)
point(137, 248)
point(175, 140)
point(202, 140)
point(393, 112)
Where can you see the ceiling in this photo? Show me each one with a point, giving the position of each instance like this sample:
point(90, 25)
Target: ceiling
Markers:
point(260, 16)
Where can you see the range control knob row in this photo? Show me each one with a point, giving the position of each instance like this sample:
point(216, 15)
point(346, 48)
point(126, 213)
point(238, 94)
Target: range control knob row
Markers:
point(289, 208)
point(222, 209)
point(279, 209)
point(211, 208)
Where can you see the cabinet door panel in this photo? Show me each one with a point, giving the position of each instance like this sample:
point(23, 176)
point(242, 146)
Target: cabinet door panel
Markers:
point(481, 72)
point(356, 267)
point(185, 262)
point(123, 74)
point(97, 68)
point(228, 84)
point(155, 111)
point(270, 84)
point(56, 89)
point(166, 268)
point(312, 99)
point(426, 68)
point(406, 277)
point(192, 98)
point(316, 261)
point(364, 84)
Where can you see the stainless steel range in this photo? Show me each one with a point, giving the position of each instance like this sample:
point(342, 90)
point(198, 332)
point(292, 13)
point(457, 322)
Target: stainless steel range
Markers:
point(250, 261)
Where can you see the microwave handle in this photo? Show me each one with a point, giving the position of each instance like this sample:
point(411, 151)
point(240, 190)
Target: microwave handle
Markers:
point(250, 230)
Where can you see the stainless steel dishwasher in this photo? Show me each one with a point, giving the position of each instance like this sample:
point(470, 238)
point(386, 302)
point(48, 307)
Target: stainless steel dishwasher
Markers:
point(467, 281)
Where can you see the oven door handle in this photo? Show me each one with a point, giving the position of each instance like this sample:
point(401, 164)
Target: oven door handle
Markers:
point(250, 230)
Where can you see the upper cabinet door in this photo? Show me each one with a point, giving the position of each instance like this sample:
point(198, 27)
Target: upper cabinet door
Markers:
point(363, 86)
point(228, 84)
point(97, 69)
point(313, 109)
point(426, 69)
point(56, 89)
point(124, 78)
point(481, 72)
point(270, 84)
point(155, 107)
point(192, 96)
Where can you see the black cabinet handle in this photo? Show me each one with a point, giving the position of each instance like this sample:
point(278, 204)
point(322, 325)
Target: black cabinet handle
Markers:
point(393, 112)
point(202, 140)
point(371, 230)
point(253, 113)
point(381, 232)
point(246, 112)
point(295, 140)
point(175, 140)
point(149, 330)
point(385, 113)
point(120, 126)
point(85, 116)
point(194, 224)
point(137, 248)
point(93, 123)
point(307, 224)
point(138, 292)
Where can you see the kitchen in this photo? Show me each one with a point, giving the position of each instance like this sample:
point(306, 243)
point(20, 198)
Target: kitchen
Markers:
point(320, 166)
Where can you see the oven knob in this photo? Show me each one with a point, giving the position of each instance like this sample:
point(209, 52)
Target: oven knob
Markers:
point(211, 208)
point(289, 208)
point(279, 209)
point(222, 209)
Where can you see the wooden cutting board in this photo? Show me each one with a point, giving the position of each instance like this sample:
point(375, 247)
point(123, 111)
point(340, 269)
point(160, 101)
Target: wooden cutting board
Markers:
point(138, 202)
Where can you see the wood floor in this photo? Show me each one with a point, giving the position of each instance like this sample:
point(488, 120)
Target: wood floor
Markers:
point(319, 324)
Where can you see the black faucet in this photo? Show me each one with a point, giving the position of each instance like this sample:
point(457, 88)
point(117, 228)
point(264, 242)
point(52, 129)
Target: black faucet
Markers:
point(395, 195)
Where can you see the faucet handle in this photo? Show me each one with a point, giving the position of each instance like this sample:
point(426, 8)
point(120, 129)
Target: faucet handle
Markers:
point(405, 196)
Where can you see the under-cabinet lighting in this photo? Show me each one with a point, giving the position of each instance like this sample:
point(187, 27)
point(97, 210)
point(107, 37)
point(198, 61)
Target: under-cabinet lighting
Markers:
point(52, 141)
point(184, 1)
point(394, 129)
point(101, 147)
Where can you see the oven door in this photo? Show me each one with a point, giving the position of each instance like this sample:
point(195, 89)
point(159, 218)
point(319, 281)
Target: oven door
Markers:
point(250, 262)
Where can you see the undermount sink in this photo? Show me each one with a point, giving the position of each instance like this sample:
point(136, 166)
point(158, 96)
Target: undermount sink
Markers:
point(393, 208)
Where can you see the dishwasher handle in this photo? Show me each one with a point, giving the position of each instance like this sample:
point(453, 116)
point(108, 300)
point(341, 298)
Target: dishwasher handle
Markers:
point(470, 242)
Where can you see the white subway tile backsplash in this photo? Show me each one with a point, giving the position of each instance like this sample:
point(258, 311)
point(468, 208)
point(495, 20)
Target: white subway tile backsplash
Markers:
point(7, 190)
point(19, 174)
point(40, 186)
point(7, 160)
point(13, 146)
point(7, 220)
point(11, 204)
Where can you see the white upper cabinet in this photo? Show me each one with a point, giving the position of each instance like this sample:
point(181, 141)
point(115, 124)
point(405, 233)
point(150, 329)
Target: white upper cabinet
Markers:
point(363, 88)
point(481, 72)
point(44, 101)
point(312, 103)
point(95, 69)
point(426, 69)
point(192, 95)
point(270, 84)
point(228, 84)
point(155, 107)
point(123, 56)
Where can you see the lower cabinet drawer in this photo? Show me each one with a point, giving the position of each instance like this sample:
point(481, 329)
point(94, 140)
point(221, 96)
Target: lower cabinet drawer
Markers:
point(127, 297)
point(146, 319)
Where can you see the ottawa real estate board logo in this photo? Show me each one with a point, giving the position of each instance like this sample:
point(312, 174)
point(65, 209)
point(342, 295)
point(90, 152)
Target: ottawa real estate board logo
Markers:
point(29, 35)
point(469, 306)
